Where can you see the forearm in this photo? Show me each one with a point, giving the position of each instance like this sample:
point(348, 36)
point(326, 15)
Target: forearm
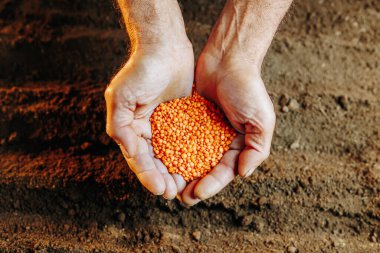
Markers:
point(154, 22)
point(245, 29)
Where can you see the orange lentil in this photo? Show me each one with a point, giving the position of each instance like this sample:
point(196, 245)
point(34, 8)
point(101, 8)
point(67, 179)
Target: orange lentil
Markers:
point(190, 135)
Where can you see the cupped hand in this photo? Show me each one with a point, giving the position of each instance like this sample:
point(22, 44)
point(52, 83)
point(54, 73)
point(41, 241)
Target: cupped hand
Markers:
point(151, 76)
point(236, 86)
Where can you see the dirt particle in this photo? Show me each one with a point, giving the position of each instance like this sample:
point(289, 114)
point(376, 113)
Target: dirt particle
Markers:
point(66, 227)
point(374, 236)
point(85, 145)
point(167, 236)
point(283, 100)
point(373, 239)
point(12, 137)
point(342, 101)
point(247, 220)
point(291, 249)
point(325, 223)
point(121, 217)
point(147, 237)
point(75, 195)
point(262, 201)
point(197, 235)
point(293, 105)
point(285, 109)
point(295, 144)
point(176, 249)
point(257, 223)
point(16, 204)
point(71, 212)
point(338, 243)
point(64, 205)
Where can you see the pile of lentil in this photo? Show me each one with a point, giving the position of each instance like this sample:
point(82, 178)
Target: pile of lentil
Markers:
point(190, 135)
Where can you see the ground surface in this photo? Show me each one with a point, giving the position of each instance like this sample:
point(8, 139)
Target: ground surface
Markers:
point(65, 187)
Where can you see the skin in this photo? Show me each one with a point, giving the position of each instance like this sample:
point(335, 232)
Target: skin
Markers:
point(228, 72)
point(154, 73)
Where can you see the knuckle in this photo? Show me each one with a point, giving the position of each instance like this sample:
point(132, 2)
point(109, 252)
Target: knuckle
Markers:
point(109, 92)
point(201, 194)
point(111, 131)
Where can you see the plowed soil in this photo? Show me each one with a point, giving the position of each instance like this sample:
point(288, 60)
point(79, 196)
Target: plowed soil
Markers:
point(64, 186)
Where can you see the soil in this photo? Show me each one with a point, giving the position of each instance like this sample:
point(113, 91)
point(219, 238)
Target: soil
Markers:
point(64, 186)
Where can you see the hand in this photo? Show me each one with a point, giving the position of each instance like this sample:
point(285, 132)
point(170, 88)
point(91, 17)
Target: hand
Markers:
point(236, 86)
point(152, 75)
point(228, 73)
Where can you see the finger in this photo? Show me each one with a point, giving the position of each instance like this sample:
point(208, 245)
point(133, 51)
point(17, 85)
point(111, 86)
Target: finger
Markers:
point(143, 166)
point(180, 182)
point(238, 142)
point(187, 196)
point(150, 148)
point(171, 187)
point(119, 128)
point(249, 160)
point(126, 137)
point(142, 127)
point(119, 120)
point(219, 177)
point(257, 149)
point(121, 107)
point(146, 110)
point(178, 179)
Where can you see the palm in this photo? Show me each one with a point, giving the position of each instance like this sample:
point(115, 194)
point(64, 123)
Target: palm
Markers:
point(144, 82)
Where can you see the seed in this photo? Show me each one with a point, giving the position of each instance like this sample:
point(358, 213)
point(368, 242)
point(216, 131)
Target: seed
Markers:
point(190, 135)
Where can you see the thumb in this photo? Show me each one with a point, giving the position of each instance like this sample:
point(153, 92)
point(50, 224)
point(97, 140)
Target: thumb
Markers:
point(257, 147)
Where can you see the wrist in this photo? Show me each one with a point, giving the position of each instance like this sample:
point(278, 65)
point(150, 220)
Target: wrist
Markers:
point(158, 36)
point(169, 43)
point(245, 29)
point(154, 23)
point(233, 58)
point(217, 66)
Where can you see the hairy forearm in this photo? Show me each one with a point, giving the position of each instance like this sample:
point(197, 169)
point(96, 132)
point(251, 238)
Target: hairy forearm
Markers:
point(246, 28)
point(152, 22)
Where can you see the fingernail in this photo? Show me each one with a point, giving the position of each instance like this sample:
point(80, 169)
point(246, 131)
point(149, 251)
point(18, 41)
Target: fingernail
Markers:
point(168, 198)
point(190, 205)
point(249, 173)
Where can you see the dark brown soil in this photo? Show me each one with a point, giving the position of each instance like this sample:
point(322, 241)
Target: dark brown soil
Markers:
point(64, 186)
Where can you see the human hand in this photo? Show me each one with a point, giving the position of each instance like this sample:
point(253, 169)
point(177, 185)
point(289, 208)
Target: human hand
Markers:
point(160, 68)
point(240, 92)
point(228, 73)
point(150, 77)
